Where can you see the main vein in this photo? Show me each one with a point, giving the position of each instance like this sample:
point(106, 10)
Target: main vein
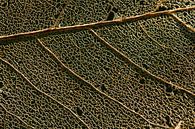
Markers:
point(93, 25)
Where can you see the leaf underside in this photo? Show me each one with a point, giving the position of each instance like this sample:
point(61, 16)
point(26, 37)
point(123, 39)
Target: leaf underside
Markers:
point(137, 74)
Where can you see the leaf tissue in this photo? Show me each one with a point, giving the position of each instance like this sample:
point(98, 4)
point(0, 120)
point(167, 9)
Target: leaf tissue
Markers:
point(97, 64)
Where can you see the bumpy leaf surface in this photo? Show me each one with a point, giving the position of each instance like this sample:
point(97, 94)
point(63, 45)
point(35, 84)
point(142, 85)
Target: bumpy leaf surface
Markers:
point(133, 74)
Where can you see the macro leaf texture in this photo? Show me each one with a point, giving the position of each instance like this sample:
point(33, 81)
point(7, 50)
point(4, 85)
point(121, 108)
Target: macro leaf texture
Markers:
point(97, 64)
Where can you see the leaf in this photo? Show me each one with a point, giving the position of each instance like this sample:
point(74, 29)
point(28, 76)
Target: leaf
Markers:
point(97, 64)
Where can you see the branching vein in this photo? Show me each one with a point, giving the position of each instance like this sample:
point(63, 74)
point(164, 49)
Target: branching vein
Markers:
point(92, 86)
point(28, 126)
point(129, 61)
point(93, 25)
point(45, 94)
point(162, 46)
point(188, 27)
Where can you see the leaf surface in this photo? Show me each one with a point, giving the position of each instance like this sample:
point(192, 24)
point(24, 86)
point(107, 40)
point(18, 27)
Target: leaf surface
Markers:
point(64, 65)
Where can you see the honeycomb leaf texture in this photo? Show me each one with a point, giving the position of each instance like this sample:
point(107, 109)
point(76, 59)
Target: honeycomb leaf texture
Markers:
point(97, 64)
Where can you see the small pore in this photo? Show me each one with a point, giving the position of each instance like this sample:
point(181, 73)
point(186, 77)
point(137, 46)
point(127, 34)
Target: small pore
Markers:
point(110, 16)
point(169, 89)
point(103, 88)
point(79, 111)
point(142, 81)
point(187, 3)
point(1, 84)
point(162, 8)
point(136, 109)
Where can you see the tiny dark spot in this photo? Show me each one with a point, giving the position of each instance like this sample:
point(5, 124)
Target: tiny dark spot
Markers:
point(187, 3)
point(177, 6)
point(1, 84)
point(162, 8)
point(110, 16)
point(168, 88)
point(115, 9)
point(142, 81)
point(136, 109)
point(4, 95)
point(103, 88)
point(79, 111)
